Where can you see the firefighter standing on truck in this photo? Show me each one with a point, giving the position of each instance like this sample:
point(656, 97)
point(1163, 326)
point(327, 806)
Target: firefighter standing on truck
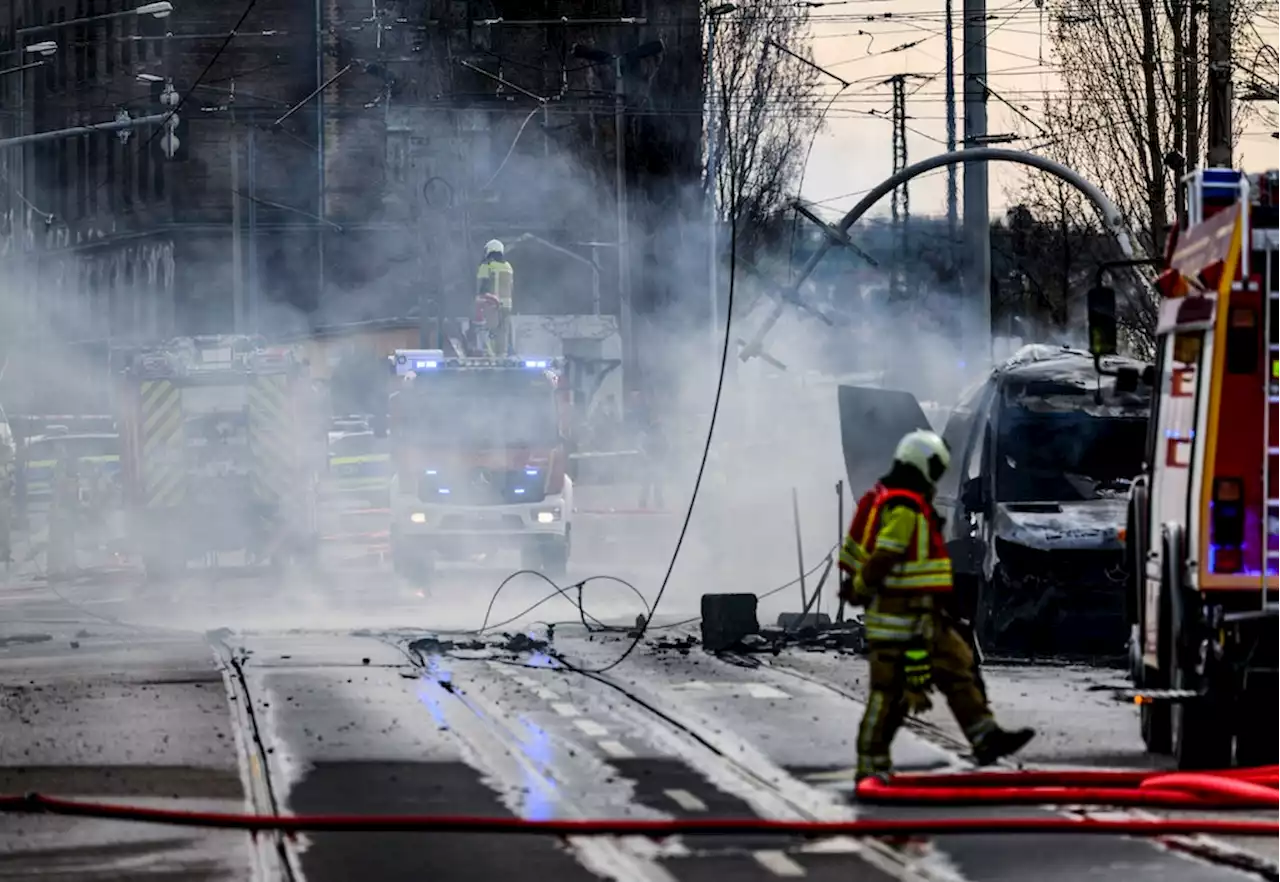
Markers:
point(496, 278)
point(895, 561)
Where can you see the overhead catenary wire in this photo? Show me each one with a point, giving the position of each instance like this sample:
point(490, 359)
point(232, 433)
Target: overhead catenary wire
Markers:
point(182, 100)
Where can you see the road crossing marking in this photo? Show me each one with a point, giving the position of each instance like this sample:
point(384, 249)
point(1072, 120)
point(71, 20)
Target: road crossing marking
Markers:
point(564, 709)
point(749, 690)
point(616, 749)
point(778, 863)
point(686, 800)
point(591, 727)
point(545, 694)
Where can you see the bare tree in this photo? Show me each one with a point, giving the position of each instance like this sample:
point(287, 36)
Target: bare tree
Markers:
point(767, 115)
point(1130, 114)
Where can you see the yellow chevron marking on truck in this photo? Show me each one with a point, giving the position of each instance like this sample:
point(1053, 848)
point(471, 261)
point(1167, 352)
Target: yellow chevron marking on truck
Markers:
point(160, 418)
point(268, 420)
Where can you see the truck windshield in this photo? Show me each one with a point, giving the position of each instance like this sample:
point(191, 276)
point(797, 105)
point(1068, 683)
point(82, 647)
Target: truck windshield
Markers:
point(491, 411)
point(1067, 457)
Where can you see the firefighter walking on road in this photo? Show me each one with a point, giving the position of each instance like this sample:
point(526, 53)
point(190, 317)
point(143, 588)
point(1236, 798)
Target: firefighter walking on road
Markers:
point(895, 562)
point(496, 279)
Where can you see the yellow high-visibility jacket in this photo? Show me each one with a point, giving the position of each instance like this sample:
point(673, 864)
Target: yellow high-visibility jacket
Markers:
point(498, 278)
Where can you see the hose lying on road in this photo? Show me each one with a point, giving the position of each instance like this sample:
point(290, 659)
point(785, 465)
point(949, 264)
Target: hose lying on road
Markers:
point(35, 803)
point(1254, 788)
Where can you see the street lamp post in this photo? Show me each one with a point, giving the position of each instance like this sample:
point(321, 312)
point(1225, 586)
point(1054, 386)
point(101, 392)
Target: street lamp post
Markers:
point(155, 10)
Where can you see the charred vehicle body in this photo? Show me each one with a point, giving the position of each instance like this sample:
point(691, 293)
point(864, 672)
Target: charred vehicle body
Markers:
point(1043, 450)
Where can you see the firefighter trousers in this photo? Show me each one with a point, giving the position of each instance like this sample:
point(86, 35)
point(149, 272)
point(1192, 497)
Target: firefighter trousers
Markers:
point(954, 675)
point(500, 333)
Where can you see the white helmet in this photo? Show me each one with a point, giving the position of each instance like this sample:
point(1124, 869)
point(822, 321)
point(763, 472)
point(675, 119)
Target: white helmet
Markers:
point(493, 246)
point(926, 451)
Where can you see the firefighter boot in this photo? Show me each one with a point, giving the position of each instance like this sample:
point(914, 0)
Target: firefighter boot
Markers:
point(1000, 743)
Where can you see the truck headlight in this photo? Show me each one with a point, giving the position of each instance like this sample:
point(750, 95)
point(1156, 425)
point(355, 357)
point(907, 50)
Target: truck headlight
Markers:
point(548, 516)
point(418, 518)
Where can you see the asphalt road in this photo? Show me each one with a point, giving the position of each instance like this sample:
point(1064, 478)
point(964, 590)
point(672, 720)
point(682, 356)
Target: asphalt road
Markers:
point(337, 694)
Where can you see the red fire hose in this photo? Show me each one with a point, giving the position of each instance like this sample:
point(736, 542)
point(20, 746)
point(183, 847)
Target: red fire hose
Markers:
point(38, 804)
point(1254, 788)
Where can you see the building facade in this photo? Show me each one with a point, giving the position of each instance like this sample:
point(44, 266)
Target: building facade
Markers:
point(441, 124)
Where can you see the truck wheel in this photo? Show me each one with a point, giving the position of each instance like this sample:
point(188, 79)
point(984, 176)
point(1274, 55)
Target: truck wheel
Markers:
point(409, 564)
point(1202, 731)
point(1256, 724)
point(549, 557)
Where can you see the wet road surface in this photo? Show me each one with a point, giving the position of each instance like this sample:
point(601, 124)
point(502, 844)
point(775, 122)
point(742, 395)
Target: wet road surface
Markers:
point(113, 690)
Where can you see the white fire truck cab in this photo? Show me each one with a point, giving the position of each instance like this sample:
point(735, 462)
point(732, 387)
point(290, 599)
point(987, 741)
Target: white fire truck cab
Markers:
point(479, 454)
point(1202, 525)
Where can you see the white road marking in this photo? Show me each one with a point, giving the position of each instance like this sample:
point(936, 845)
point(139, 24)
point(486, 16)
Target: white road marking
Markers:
point(778, 863)
point(545, 694)
point(592, 728)
point(564, 709)
point(764, 690)
point(686, 800)
point(616, 749)
point(526, 682)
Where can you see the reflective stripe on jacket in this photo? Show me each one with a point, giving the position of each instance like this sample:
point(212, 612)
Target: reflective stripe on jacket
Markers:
point(925, 564)
point(496, 277)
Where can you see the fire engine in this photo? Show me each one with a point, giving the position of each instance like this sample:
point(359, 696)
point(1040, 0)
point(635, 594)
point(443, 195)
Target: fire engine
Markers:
point(222, 446)
point(478, 448)
point(1202, 525)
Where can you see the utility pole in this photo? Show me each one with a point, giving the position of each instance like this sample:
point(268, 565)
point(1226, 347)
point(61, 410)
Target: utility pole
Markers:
point(952, 213)
point(624, 241)
point(1219, 84)
point(1192, 85)
point(237, 261)
point(901, 205)
point(977, 231)
point(713, 177)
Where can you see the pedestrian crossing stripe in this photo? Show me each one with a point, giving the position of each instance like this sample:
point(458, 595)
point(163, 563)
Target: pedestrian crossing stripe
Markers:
point(160, 437)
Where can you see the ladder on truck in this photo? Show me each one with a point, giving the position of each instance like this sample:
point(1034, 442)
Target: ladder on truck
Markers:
point(1257, 267)
point(1262, 244)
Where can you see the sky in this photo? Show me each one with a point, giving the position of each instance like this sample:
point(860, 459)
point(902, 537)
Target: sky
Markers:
point(854, 151)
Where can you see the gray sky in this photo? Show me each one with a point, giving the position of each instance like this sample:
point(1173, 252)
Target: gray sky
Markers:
point(854, 151)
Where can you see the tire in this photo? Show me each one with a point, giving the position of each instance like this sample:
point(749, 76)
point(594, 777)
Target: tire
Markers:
point(1202, 729)
point(1155, 721)
point(547, 556)
point(1256, 724)
point(410, 564)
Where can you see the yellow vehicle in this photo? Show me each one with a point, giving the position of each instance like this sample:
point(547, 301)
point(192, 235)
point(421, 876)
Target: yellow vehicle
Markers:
point(93, 452)
point(359, 468)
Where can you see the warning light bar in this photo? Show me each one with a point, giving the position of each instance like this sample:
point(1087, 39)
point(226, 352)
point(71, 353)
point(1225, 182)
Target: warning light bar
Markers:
point(408, 361)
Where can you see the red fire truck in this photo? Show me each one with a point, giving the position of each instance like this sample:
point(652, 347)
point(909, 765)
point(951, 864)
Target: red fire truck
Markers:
point(1202, 527)
point(478, 447)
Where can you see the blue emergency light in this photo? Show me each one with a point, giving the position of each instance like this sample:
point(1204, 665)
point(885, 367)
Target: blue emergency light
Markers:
point(408, 361)
point(1219, 185)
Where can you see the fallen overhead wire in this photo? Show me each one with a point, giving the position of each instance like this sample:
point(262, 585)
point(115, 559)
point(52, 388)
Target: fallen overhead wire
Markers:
point(35, 803)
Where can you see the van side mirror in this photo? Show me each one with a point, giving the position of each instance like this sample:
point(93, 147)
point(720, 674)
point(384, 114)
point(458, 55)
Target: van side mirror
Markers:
point(1102, 321)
